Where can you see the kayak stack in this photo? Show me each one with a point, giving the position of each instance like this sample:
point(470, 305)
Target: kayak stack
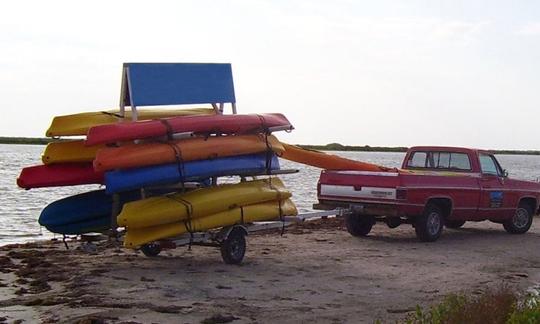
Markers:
point(161, 156)
point(67, 161)
point(150, 156)
point(199, 210)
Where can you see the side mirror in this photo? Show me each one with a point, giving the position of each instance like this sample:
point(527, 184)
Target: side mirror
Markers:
point(505, 173)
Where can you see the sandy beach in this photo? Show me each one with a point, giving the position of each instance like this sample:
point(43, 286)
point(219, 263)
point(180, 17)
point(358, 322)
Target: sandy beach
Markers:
point(315, 272)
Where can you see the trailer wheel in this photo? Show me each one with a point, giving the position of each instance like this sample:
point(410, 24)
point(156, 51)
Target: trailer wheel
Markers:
point(521, 221)
point(429, 225)
point(151, 249)
point(358, 225)
point(454, 223)
point(233, 248)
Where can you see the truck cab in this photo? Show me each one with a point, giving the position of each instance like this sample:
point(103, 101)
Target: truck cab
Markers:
point(435, 186)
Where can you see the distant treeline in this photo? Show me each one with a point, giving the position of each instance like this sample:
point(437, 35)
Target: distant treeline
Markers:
point(25, 140)
point(327, 147)
point(515, 152)
point(367, 148)
point(348, 148)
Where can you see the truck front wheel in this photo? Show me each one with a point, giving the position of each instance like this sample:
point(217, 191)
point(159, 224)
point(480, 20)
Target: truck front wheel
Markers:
point(521, 221)
point(454, 223)
point(429, 225)
point(358, 225)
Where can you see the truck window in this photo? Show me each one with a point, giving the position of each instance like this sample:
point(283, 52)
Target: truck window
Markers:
point(444, 160)
point(440, 160)
point(489, 165)
point(460, 161)
point(417, 160)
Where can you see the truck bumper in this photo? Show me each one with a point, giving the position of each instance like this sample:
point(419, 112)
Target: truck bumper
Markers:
point(360, 208)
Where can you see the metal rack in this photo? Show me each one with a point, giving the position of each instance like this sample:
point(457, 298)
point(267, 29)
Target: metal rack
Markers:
point(231, 239)
point(154, 84)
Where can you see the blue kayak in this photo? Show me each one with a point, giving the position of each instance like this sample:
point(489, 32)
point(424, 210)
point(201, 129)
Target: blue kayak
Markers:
point(100, 224)
point(82, 213)
point(130, 179)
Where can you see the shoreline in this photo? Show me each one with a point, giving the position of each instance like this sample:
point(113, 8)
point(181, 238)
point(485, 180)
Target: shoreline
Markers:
point(333, 147)
point(315, 272)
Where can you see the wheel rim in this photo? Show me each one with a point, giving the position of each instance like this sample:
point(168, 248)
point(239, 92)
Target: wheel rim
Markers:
point(433, 223)
point(521, 218)
point(151, 249)
point(236, 249)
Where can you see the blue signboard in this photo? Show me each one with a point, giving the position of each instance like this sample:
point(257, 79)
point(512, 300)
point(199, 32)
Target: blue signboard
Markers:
point(155, 84)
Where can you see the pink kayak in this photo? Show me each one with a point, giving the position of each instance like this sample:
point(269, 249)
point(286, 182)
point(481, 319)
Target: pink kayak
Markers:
point(201, 124)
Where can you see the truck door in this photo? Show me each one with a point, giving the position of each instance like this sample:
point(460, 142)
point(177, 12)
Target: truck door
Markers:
point(492, 194)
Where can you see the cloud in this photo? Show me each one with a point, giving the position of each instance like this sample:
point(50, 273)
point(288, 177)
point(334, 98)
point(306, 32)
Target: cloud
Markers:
point(532, 28)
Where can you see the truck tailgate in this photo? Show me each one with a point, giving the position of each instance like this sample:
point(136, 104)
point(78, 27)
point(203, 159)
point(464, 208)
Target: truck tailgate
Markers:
point(358, 185)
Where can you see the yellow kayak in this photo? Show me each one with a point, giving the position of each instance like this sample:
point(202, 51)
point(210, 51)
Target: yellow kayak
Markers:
point(253, 213)
point(78, 124)
point(199, 203)
point(69, 151)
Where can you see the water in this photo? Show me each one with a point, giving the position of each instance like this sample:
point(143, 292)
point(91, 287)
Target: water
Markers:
point(20, 209)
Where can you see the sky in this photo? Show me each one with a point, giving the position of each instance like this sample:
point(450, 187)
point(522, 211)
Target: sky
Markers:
point(378, 73)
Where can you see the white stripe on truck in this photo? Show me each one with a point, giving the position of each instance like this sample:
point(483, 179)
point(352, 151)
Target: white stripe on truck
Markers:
point(364, 192)
point(369, 173)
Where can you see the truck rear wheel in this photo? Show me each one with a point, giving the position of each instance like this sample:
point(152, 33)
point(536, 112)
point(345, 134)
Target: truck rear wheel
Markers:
point(521, 221)
point(359, 225)
point(429, 225)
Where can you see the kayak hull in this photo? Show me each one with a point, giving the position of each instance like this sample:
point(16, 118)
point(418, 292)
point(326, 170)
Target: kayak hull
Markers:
point(199, 203)
point(265, 211)
point(56, 175)
point(124, 180)
point(82, 213)
point(326, 161)
point(79, 124)
point(69, 152)
point(200, 148)
point(216, 124)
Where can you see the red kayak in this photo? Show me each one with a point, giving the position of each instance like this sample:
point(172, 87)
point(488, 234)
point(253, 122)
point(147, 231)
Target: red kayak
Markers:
point(201, 124)
point(55, 175)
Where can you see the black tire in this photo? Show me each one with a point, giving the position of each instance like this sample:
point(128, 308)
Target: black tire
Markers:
point(359, 225)
point(151, 249)
point(233, 248)
point(454, 223)
point(429, 225)
point(521, 221)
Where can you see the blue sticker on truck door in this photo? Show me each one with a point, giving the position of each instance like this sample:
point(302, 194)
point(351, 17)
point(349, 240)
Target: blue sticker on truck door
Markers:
point(495, 199)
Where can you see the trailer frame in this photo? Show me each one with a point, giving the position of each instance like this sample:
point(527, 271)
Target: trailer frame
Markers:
point(231, 239)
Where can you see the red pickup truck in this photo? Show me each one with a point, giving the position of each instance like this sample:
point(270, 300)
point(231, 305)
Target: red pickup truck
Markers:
point(436, 187)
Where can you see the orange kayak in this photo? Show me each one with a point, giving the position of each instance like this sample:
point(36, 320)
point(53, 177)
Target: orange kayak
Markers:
point(326, 161)
point(192, 149)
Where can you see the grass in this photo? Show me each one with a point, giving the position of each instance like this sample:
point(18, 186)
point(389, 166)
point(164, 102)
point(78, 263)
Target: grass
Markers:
point(500, 306)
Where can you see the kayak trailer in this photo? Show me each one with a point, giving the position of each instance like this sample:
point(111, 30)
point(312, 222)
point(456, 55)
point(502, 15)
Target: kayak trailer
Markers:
point(196, 83)
point(231, 240)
